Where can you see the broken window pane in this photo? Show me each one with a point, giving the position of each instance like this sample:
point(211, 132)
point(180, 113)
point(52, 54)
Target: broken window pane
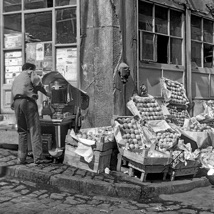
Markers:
point(208, 56)
point(11, 5)
point(145, 16)
point(39, 26)
point(162, 49)
point(208, 31)
point(12, 31)
point(175, 23)
point(196, 53)
point(196, 28)
point(12, 24)
point(32, 4)
point(66, 26)
point(146, 46)
point(161, 20)
point(65, 2)
point(175, 49)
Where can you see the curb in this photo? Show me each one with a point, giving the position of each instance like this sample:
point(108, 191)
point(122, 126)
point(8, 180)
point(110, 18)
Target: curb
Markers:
point(97, 187)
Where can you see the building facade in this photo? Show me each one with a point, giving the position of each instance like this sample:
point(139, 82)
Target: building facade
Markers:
point(87, 40)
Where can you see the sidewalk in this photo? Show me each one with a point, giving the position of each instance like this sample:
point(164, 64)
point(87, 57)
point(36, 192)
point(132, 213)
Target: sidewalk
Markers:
point(71, 179)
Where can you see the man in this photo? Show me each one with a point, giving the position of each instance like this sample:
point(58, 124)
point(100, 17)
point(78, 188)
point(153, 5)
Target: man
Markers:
point(23, 101)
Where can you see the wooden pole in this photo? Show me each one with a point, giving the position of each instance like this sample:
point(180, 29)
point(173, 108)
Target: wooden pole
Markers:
point(188, 56)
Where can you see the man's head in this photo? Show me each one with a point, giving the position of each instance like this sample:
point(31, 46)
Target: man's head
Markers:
point(28, 66)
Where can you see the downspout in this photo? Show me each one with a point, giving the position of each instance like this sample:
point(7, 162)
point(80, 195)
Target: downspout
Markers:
point(123, 33)
point(188, 57)
point(123, 29)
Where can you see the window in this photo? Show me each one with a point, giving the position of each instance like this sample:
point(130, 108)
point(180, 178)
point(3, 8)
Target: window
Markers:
point(43, 32)
point(202, 42)
point(160, 34)
point(12, 5)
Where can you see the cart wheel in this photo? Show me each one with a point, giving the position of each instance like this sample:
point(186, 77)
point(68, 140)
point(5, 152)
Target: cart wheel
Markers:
point(77, 118)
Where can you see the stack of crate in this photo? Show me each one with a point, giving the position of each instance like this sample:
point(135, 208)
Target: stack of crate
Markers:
point(102, 152)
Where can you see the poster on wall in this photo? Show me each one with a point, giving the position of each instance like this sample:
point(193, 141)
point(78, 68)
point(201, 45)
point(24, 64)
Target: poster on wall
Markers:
point(66, 63)
point(40, 54)
point(13, 40)
point(31, 52)
point(7, 98)
point(47, 62)
point(13, 65)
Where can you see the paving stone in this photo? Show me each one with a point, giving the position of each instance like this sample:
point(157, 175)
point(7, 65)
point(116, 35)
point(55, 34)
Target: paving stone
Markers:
point(142, 205)
point(82, 197)
point(29, 183)
point(94, 202)
point(70, 200)
point(69, 172)
point(6, 159)
point(50, 168)
point(43, 196)
point(3, 183)
point(80, 200)
point(187, 211)
point(7, 187)
point(103, 206)
point(56, 196)
point(57, 171)
point(38, 193)
point(3, 199)
point(171, 212)
point(20, 187)
point(122, 211)
point(173, 207)
point(81, 173)
point(32, 195)
point(25, 191)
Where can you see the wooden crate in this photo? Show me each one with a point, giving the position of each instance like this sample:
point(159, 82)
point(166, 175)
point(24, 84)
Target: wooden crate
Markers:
point(190, 169)
point(143, 168)
point(100, 161)
point(144, 159)
point(99, 146)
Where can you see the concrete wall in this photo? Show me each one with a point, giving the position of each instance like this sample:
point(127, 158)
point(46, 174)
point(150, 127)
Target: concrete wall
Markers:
point(99, 55)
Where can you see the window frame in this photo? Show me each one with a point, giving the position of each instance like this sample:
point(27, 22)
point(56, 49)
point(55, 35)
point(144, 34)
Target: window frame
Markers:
point(182, 38)
point(202, 42)
point(7, 87)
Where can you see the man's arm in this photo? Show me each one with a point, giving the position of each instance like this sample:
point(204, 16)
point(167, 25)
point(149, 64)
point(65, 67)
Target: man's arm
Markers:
point(40, 87)
point(36, 81)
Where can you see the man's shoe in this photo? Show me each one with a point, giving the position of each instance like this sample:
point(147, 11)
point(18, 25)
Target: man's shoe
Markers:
point(30, 154)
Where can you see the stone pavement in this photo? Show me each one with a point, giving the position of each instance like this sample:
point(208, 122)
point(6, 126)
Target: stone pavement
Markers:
point(115, 184)
point(26, 197)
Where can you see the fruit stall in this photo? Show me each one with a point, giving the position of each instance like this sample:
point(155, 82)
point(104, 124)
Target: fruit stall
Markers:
point(156, 138)
point(161, 138)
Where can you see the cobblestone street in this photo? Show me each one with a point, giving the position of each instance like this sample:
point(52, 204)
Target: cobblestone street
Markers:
point(28, 198)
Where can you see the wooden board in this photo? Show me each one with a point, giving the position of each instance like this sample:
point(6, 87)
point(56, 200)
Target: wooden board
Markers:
point(144, 169)
point(183, 170)
point(100, 160)
point(144, 159)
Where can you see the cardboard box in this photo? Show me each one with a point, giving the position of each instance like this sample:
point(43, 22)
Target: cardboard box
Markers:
point(100, 160)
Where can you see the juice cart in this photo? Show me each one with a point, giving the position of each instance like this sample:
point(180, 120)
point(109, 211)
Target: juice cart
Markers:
point(63, 110)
